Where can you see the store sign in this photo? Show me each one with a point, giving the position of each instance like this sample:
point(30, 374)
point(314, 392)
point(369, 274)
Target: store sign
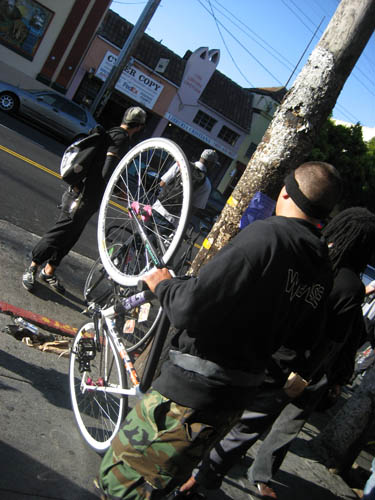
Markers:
point(132, 82)
point(197, 133)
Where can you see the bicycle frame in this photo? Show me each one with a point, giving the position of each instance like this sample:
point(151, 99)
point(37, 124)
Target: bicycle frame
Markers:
point(106, 321)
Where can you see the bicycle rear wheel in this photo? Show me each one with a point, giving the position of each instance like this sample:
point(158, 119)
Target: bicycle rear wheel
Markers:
point(98, 414)
point(132, 193)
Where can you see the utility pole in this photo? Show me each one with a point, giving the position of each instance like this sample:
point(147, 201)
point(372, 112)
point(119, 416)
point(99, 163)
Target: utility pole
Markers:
point(131, 43)
point(292, 132)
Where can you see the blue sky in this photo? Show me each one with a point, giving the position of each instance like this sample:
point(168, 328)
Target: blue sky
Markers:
point(260, 42)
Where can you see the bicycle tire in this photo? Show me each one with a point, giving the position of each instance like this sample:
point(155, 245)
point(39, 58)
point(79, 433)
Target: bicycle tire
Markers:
point(136, 181)
point(138, 325)
point(98, 414)
point(98, 287)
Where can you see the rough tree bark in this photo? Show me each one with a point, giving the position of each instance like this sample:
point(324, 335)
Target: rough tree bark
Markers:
point(290, 135)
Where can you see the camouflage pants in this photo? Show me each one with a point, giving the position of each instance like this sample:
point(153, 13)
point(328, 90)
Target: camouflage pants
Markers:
point(158, 446)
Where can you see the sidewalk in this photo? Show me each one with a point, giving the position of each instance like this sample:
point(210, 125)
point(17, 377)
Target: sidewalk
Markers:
point(42, 453)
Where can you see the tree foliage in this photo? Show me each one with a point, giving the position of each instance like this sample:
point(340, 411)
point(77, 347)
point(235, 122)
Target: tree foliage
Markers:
point(345, 148)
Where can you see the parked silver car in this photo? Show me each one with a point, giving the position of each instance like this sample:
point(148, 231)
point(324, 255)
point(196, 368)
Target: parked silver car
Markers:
point(48, 109)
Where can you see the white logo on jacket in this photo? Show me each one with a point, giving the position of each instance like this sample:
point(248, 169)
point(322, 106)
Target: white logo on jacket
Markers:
point(312, 294)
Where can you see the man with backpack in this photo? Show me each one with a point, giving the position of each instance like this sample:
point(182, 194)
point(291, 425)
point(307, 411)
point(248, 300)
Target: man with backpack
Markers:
point(81, 201)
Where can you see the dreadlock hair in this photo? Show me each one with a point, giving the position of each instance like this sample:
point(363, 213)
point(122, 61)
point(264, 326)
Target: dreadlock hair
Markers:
point(351, 238)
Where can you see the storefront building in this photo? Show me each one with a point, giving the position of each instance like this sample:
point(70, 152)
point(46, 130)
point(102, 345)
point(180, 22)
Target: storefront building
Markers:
point(187, 99)
point(41, 41)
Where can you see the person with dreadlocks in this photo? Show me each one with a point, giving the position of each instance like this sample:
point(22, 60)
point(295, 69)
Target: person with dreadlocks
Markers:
point(351, 241)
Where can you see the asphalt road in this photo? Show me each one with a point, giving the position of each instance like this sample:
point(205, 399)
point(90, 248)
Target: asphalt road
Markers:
point(30, 187)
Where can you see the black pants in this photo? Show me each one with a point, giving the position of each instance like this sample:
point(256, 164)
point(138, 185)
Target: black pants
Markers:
point(259, 417)
point(60, 239)
point(284, 430)
point(269, 408)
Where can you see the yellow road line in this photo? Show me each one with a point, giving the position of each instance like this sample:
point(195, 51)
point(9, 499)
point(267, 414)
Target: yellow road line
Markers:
point(27, 160)
point(49, 171)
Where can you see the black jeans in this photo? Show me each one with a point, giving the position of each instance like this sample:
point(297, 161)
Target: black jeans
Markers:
point(284, 430)
point(259, 417)
point(269, 408)
point(64, 234)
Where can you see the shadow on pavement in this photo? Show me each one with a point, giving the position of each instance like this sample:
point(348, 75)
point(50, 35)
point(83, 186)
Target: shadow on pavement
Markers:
point(289, 487)
point(36, 480)
point(43, 292)
point(49, 382)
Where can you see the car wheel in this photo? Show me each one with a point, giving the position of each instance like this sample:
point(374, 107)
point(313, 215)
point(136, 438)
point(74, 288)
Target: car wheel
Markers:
point(9, 102)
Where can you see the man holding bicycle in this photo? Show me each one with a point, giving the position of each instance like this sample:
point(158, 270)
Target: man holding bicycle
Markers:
point(268, 285)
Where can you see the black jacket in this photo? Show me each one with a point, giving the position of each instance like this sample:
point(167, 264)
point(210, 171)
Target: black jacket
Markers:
point(346, 327)
point(101, 171)
point(268, 285)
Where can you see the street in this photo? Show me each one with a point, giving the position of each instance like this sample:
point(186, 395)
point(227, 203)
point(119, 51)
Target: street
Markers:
point(30, 191)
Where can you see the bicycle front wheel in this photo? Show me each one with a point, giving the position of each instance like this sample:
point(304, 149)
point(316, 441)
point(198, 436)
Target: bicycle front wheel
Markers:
point(98, 413)
point(132, 193)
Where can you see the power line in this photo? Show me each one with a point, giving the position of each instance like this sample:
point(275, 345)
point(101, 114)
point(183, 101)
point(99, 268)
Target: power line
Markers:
point(303, 13)
point(249, 30)
point(297, 16)
point(225, 45)
point(347, 113)
point(304, 52)
point(355, 69)
point(128, 3)
point(241, 44)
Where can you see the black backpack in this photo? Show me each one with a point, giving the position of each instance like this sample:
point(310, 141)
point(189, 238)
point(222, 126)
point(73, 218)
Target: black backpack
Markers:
point(171, 194)
point(82, 154)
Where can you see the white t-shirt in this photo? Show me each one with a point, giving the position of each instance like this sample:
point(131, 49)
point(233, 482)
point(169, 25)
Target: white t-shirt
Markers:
point(201, 194)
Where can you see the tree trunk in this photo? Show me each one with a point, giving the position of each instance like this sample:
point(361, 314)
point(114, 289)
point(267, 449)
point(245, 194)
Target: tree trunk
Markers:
point(291, 134)
point(344, 437)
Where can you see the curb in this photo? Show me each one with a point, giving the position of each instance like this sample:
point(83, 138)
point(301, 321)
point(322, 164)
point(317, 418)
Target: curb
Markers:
point(48, 324)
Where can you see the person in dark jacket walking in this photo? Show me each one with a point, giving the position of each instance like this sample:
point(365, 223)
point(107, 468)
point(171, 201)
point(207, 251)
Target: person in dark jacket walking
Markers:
point(227, 331)
point(351, 240)
point(79, 204)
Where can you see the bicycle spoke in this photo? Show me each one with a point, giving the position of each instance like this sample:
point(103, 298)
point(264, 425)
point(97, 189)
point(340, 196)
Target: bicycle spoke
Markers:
point(98, 413)
point(130, 202)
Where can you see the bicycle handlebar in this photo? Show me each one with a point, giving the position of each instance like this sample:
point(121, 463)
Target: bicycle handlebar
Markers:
point(128, 303)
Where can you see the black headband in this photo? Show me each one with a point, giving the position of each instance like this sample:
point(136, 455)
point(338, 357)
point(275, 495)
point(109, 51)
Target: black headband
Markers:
point(309, 208)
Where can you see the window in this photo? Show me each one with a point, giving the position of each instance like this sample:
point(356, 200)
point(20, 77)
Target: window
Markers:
point(228, 135)
point(250, 150)
point(73, 110)
point(204, 120)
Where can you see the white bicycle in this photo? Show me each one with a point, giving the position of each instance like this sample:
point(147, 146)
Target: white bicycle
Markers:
point(102, 375)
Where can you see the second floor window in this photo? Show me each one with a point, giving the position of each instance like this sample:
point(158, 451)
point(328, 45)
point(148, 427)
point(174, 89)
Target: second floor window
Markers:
point(228, 135)
point(204, 120)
